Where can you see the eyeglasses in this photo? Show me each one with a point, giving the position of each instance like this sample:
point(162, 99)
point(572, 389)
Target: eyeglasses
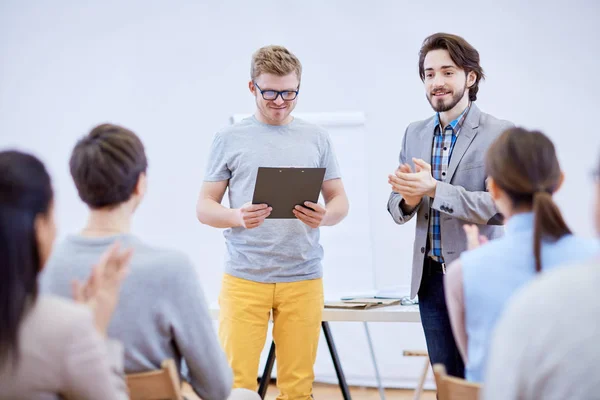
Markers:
point(272, 95)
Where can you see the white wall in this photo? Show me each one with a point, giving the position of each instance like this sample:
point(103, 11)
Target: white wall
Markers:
point(174, 72)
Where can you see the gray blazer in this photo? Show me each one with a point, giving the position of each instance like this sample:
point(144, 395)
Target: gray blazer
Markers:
point(462, 197)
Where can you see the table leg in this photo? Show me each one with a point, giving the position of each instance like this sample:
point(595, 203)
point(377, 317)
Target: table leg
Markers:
point(336, 361)
point(266, 376)
point(377, 375)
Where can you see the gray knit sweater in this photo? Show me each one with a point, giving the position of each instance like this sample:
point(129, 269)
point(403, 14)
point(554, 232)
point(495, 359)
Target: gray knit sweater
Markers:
point(161, 313)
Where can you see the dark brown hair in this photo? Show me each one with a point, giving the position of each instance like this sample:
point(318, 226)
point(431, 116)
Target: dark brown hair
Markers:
point(106, 165)
point(524, 165)
point(461, 52)
point(25, 193)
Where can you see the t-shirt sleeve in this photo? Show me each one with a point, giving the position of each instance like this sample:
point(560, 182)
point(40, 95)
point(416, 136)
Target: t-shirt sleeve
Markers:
point(329, 160)
point(217, 168)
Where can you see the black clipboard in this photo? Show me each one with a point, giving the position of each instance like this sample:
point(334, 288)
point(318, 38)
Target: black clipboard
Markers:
point(284, 188)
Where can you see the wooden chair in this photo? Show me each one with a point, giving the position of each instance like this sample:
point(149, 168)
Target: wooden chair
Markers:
point(419, 353)
point(451, 388)
point(162, 384)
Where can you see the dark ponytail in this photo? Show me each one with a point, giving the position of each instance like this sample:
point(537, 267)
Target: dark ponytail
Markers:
point(549, 222)
point(524, 165)
point(25, 193)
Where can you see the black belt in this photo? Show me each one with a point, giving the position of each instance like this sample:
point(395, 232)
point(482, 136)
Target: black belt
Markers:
point(434, 266)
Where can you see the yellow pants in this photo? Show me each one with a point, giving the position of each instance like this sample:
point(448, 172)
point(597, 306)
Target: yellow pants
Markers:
point(244, 320)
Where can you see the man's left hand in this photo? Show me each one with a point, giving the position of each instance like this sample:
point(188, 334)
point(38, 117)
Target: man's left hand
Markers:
point(314, 219)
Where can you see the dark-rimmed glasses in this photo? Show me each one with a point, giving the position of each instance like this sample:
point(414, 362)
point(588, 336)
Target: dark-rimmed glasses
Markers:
point(272, 95)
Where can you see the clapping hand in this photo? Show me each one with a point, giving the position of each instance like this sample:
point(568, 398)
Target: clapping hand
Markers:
point(474, 239)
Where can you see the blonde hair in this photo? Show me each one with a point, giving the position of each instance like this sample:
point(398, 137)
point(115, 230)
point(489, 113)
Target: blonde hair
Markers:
point(276, 60)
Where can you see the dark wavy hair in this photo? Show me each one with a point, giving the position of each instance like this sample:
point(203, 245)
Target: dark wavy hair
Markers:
point(465, 56)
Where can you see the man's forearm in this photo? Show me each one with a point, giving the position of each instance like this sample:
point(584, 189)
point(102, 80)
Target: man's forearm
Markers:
point(408, 208)
point(211, 213)
point(337, 209)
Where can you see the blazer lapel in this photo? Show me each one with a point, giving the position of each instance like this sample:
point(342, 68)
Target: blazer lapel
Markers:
point(464, 139)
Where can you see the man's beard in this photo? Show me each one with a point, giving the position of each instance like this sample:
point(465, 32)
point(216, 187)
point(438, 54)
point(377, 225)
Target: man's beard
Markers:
point(440, 106)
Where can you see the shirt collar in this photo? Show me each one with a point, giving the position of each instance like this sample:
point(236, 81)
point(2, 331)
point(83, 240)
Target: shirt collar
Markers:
point(456, 124)
point(520, 222)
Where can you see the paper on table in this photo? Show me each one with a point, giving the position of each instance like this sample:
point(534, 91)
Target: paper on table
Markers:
point(389, 293)
point(361, 304)
point(341, 304)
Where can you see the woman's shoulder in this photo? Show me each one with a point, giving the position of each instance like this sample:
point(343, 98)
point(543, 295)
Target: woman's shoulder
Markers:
point(501, 247)
point(581, 242)
point(48, 302)
point(54, 316)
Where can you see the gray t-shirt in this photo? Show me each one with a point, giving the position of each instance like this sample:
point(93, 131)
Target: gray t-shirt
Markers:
point(546, 344)
point(161, 313)
point(280, 250)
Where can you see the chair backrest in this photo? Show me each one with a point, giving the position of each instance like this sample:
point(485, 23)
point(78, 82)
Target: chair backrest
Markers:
point(162, 384)
point(451, 388)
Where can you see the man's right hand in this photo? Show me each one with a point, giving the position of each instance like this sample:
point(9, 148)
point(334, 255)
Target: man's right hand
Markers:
point(251, 216)
point(409, 202)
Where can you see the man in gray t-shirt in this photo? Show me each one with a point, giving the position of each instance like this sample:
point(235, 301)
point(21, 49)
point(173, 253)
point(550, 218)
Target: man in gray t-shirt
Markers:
point(271, 264)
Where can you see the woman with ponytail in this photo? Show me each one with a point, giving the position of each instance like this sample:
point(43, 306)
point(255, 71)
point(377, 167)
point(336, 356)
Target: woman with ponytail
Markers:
point(523, 174)
point(51, 348)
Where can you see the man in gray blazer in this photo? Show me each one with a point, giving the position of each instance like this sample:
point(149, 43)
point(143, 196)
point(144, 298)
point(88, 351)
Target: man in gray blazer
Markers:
point(447, 188)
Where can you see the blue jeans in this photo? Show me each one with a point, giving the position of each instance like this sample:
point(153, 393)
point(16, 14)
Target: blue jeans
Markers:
point(436, 323)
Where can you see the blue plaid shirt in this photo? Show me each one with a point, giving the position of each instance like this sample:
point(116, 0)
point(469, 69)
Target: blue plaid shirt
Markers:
point(443, 144)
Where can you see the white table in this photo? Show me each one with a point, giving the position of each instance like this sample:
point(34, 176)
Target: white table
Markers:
point(396, 313)
point(380, 314)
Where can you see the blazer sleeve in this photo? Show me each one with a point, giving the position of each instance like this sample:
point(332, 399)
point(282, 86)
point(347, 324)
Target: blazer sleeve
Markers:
point(93, 365)
point(395, 200)
point(475, 207)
